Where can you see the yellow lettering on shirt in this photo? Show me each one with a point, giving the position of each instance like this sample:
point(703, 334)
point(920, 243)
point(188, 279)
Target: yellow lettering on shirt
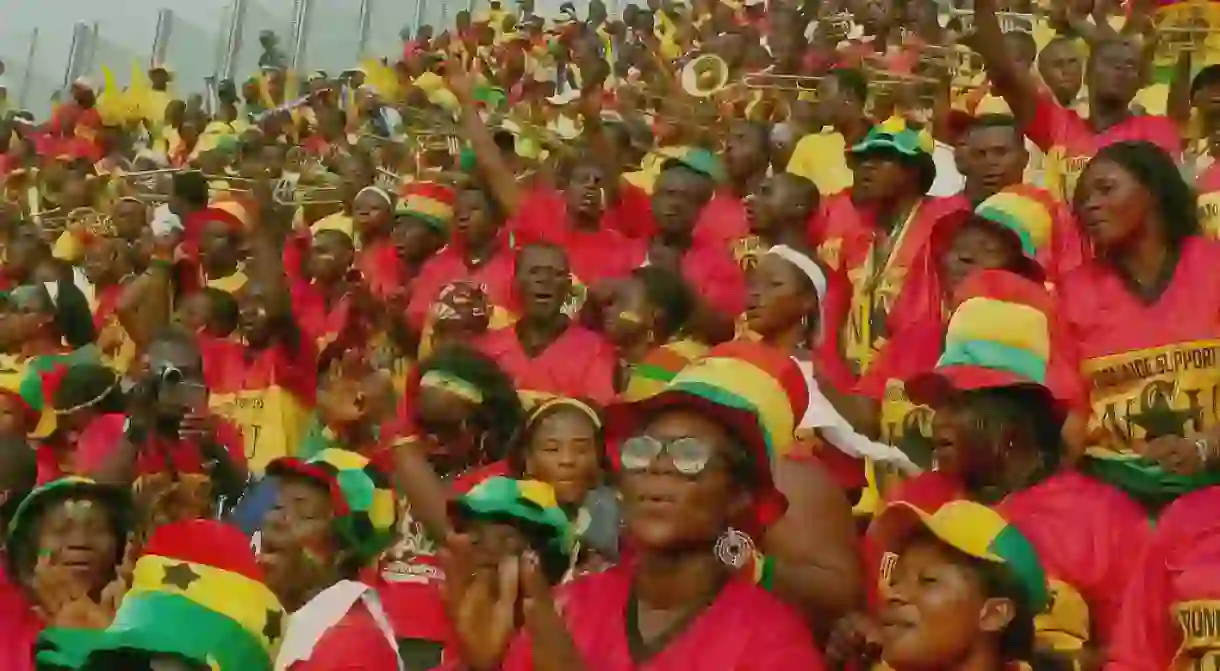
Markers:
point(1145, 394)
point(1209, 213)
point(831, 253)
point(905, 425)
point(1199, 622)
point(865, 332)
point(746, 251)
point(272, 422)
point(1062, 171)
point(1064, 625)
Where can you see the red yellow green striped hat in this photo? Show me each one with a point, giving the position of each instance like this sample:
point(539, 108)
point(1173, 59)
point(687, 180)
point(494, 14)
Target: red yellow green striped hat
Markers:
point(998, 336)
point(755, 390)
point(366, 510)
point(974, 530)
point(429, 202)
point(658, 368)
point(1024, 212)
point(197, 592)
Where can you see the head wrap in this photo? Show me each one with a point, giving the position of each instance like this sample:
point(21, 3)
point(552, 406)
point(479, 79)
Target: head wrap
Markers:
point(429, 202)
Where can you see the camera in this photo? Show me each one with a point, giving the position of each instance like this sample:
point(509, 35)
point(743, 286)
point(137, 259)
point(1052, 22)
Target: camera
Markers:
point(168, 374)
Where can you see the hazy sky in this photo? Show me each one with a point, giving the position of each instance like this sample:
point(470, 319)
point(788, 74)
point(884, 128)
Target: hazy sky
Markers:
point(127, 29)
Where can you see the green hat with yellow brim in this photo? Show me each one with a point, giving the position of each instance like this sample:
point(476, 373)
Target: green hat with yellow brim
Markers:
point(197, 593)
point(894, 137)
point(974, 530)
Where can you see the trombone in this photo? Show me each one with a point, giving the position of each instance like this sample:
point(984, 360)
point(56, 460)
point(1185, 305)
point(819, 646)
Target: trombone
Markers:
point(767, 81)
point(147, 179)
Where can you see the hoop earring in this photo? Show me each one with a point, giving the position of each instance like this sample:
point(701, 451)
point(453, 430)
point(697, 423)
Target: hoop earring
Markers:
point(734, 548)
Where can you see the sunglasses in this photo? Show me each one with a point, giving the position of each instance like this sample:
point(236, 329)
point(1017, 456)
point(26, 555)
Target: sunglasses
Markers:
point(689, 455)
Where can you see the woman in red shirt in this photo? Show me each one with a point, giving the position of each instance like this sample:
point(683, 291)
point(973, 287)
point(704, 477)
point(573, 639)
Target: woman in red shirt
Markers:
point(698, 470)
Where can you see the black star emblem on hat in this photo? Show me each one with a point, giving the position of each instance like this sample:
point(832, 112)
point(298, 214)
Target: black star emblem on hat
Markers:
point(180, 576)
point(275, 624)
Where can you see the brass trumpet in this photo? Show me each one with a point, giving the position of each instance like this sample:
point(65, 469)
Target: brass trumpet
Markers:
point(959, 63)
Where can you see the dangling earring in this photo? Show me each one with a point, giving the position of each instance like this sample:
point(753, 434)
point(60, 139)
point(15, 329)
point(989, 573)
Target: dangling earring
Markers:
point(734, 548)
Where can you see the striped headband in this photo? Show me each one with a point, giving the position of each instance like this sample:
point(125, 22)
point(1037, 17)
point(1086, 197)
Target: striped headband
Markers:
point(382, 193)
point(438, 379)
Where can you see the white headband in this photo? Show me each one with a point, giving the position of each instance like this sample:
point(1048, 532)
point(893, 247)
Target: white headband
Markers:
point(385, 195)
point(811, 270)
point(805, 264)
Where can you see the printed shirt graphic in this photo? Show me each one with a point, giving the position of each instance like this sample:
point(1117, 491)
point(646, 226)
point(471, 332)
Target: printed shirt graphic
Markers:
point(1171, 608)
point(1069, 142)
point(1207, 184)
point(864, 284)
point(269, 394)
point(1151, 369)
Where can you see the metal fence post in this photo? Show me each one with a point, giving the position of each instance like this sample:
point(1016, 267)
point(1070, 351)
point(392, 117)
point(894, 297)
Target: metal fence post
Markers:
point(419, 13)
point(165, 26)
point(366, 13)
point(300, 29)
point(76, 53)
point(237, 21)
point(28, 75)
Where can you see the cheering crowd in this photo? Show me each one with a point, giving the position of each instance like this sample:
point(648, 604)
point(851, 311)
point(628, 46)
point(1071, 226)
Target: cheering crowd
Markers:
point(731, 335)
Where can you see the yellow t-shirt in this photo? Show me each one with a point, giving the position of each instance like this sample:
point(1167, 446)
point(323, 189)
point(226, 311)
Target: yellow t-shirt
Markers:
point(822, 158)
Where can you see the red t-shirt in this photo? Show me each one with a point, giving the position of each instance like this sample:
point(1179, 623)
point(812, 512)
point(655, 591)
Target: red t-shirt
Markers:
point(593, 255)
point(744, 629)
point(20, 625)
point(1170, 602)
point(1137, 358)
point(449, 265)
point(1070, 142)
point(723, 221)
point(579, 364)
point(355, 643)
point(715, 277)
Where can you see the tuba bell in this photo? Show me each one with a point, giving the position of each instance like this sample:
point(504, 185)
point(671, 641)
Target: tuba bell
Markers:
point(704, 76)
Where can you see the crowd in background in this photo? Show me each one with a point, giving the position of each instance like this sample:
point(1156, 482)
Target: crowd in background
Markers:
point(737, 334)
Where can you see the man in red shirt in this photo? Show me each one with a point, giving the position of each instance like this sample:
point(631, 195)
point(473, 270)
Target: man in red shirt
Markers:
point(1114, 76)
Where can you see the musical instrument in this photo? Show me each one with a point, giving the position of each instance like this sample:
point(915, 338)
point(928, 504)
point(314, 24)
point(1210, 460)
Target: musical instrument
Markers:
point(147, 179)
point(1010, 22)
point(704, 76)
point(767, 81)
